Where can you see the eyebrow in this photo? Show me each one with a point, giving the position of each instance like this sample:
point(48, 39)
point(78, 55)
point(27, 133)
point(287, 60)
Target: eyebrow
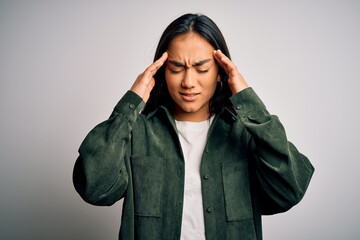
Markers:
point(197, 64)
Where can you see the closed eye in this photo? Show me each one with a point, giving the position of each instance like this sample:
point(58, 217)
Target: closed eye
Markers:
point(175, 71)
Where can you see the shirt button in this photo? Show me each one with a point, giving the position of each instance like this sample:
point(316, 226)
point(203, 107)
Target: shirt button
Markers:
point(132, 106)
point(209, 209)
point(238, 107)
point(206, 176)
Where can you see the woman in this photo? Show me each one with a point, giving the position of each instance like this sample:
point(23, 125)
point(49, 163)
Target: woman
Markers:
point(191, 148)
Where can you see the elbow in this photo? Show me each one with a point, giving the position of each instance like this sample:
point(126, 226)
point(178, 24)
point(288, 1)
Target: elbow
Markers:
point(299, 186)
point(279, 203)
point(281, 196)
point(94, 190)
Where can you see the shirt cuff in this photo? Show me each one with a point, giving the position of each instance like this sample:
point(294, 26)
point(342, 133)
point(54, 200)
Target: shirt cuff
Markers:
point(246, 102)
point(130, 105)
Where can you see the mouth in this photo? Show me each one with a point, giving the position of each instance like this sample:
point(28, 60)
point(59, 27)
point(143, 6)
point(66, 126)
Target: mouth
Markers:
point(189, 96)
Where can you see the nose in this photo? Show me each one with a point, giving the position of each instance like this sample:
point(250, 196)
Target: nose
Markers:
point(188, 80)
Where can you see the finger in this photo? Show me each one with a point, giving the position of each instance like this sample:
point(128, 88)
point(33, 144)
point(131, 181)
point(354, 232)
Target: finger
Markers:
point(217, 56)
point(150, 85)
point(164, 57)
point(225, 62)
point(152, 69)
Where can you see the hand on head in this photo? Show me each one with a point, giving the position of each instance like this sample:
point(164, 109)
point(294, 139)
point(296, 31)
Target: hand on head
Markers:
point(145, 82)
point(236, 81)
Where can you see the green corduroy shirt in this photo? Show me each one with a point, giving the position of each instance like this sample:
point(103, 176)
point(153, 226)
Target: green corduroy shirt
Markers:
point(248, 169)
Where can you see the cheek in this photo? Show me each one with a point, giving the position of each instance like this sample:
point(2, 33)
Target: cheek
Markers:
point(212, 88)
point(172, 80)
point(171, 83)
point(211, 84)
point(167, 77)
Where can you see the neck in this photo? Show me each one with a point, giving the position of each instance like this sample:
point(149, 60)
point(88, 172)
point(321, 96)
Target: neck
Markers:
point(191, 117)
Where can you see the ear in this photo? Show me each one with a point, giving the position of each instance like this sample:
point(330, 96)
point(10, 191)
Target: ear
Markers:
point(218, 78)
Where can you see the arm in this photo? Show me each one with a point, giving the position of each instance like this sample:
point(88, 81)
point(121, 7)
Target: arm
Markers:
point(282, 173)
point(100, 175)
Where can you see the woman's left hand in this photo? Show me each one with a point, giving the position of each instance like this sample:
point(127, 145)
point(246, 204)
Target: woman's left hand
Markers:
point(236, 81)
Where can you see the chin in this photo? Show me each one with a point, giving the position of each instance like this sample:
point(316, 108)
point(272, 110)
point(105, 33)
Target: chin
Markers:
point(188, 109)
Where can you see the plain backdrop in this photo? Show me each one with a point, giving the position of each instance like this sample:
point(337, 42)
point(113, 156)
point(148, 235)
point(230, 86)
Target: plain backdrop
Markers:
point(65, 64)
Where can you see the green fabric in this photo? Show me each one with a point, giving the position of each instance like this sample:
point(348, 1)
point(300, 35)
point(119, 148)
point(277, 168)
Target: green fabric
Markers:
point(248, 169)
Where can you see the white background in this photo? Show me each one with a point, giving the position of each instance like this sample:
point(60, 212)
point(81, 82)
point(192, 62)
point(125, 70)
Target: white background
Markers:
point(65, 64)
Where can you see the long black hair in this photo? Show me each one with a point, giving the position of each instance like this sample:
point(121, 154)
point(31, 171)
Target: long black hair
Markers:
point(207, 29)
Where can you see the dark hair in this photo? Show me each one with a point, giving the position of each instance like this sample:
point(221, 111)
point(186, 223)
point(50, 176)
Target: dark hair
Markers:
point(207, 29)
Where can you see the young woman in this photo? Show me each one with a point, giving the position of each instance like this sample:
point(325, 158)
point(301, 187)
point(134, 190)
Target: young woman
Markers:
point(191, 148)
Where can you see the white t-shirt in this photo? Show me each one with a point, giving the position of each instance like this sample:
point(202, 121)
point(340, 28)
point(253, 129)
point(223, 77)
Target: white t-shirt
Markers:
point(193, 137)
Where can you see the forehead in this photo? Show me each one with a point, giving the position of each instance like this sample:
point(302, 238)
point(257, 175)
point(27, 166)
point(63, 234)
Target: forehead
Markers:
point(190, 46)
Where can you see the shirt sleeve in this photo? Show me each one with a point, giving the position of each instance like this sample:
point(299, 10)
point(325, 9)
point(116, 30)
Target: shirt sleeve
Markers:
point(282, 173)
point(100, 175)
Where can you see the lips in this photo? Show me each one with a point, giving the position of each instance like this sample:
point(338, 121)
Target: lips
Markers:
point(189, 96)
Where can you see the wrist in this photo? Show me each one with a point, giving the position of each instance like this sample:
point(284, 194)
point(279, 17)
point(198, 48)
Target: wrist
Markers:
point(238, 88)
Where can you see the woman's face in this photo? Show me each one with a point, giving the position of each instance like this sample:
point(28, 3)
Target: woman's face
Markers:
point(191, 75)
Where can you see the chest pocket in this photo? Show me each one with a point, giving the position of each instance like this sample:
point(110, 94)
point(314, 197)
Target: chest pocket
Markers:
point(235, 177)
point(147, 173)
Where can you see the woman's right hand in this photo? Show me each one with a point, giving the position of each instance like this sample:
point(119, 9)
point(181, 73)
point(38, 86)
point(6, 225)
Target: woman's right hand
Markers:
point(145, 82)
